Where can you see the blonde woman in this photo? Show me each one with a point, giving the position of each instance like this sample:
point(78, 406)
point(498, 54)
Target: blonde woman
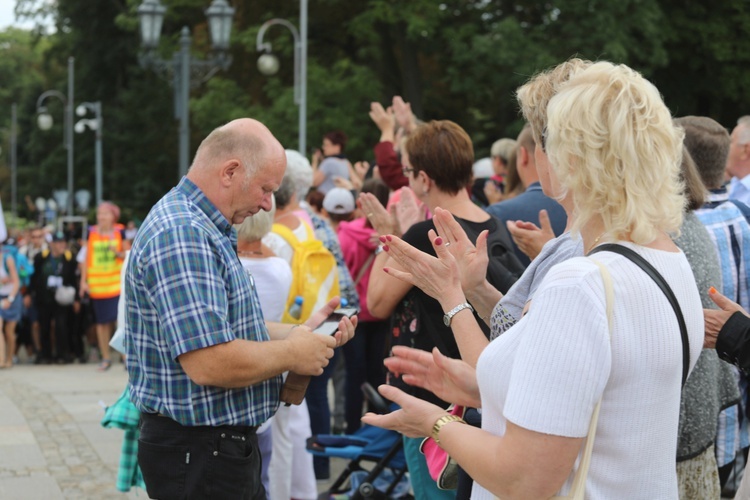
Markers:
point(614, 151)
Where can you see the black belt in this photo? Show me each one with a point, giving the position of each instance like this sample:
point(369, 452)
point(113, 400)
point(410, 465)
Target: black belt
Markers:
point(160, 419)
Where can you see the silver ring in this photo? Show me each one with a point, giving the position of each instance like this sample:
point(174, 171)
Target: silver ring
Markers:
point(448, 244)
point(369, 214)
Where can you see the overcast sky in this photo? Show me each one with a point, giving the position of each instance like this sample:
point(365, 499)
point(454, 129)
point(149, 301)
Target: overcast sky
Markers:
point(7, 18)
point(6, 13)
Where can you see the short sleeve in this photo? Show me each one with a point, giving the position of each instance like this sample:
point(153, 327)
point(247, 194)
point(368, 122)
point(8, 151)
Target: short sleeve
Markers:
point(185, 280)
point(563, 359)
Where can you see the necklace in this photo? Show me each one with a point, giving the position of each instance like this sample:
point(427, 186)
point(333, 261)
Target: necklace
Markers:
point(596, 242)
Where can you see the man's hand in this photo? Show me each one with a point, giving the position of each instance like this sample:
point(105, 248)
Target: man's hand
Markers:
point(309, 352)
point(346, 325)
point(530, 238)
point(714, 320)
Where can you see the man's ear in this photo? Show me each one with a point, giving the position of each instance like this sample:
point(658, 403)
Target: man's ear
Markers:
point(745, 151)
point(523, 155)
point(231, 171)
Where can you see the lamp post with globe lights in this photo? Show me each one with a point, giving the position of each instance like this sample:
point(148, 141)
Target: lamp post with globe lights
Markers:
point(184, 71)
point(44, 120)
point(96, 124)
point(268, 64)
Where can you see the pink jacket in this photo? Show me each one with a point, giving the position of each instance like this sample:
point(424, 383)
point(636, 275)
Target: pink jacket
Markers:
point(356, 245)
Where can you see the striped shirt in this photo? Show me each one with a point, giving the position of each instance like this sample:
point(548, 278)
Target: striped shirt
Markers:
point(730, 232)
point(187, 290)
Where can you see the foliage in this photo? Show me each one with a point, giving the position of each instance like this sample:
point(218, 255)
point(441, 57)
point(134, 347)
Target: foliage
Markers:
point(452, 59)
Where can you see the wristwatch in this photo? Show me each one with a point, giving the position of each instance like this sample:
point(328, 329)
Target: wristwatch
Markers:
point(448, 317)
point(445, 419)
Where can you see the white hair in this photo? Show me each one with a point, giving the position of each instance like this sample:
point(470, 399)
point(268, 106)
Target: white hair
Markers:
point(300, 172)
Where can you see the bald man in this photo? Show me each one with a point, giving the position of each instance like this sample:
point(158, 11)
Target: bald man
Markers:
point(205, 369)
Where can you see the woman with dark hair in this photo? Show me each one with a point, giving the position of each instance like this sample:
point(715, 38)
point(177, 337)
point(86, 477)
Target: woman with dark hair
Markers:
point(437, 159)
point(330, 162)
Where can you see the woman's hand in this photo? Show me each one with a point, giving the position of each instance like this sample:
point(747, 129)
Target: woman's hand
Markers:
point(493, 193)
point(528, 237)
point(714, 320)
point(404, 116)
point(415, 418)
point(379, 218)
point(5, 304)
point(449, 379)
point(383, 118)
point(340, 182)
point(407, 211)
point(437, 277)
point(471, 261)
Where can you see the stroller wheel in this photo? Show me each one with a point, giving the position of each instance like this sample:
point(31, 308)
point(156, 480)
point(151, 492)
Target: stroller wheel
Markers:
point(366, 489)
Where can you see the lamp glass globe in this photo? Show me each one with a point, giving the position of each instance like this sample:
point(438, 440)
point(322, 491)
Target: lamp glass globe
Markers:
point(44, 120)
point(268, 64)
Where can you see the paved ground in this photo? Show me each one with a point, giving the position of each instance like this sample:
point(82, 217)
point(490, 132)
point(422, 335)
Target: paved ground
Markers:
point(52, 445)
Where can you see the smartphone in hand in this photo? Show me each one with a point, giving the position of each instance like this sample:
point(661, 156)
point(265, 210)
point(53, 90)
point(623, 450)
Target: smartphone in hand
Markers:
point(331, 323)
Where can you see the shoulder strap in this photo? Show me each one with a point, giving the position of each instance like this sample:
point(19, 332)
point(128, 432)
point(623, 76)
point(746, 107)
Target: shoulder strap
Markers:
point(661, 282)
point(364, 268)
point(286, 234)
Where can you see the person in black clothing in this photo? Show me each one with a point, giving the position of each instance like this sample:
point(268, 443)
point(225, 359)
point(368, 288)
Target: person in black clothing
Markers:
point(53, 287)
point(437, 159)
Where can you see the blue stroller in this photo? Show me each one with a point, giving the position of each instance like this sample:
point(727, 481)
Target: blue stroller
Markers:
point(381, 447)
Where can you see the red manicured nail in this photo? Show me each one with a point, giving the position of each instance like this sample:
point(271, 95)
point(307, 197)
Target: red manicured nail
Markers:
point(438, 240)
point(386, 270)
point(385, 248)
point(712, 290)
point(382, 239)
point(389, 237)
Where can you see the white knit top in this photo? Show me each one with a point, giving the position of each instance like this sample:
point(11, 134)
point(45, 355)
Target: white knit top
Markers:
point(547, 373)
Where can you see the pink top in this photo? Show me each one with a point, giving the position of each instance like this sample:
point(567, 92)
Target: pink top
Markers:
point(358, 243)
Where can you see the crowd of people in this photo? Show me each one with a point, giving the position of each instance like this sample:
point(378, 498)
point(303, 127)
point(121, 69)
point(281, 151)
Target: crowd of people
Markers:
point(564, 291)
point(63, 288)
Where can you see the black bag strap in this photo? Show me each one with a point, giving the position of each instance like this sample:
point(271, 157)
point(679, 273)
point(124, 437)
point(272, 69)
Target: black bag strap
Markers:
point(662, 283)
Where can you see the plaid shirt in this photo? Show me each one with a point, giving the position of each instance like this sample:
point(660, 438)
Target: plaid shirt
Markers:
point(123, 415)
point(187, 290)
point(730, 232)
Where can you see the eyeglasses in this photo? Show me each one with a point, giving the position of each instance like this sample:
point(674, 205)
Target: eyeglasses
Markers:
point(407, 171)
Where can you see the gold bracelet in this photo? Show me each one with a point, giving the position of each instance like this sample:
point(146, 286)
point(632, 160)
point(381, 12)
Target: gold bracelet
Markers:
point(445, 419)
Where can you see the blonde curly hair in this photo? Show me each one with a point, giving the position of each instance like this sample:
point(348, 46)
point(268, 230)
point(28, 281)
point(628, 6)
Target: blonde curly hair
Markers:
point(611, 142)
point(534, 96)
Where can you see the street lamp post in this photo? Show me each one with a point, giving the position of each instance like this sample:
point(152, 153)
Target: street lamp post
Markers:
point(268, 64)
point(96, 125)
point(14, 162)
point(44, 121)
point(186, 72)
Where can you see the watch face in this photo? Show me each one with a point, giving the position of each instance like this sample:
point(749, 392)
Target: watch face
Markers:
point(446, 320)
